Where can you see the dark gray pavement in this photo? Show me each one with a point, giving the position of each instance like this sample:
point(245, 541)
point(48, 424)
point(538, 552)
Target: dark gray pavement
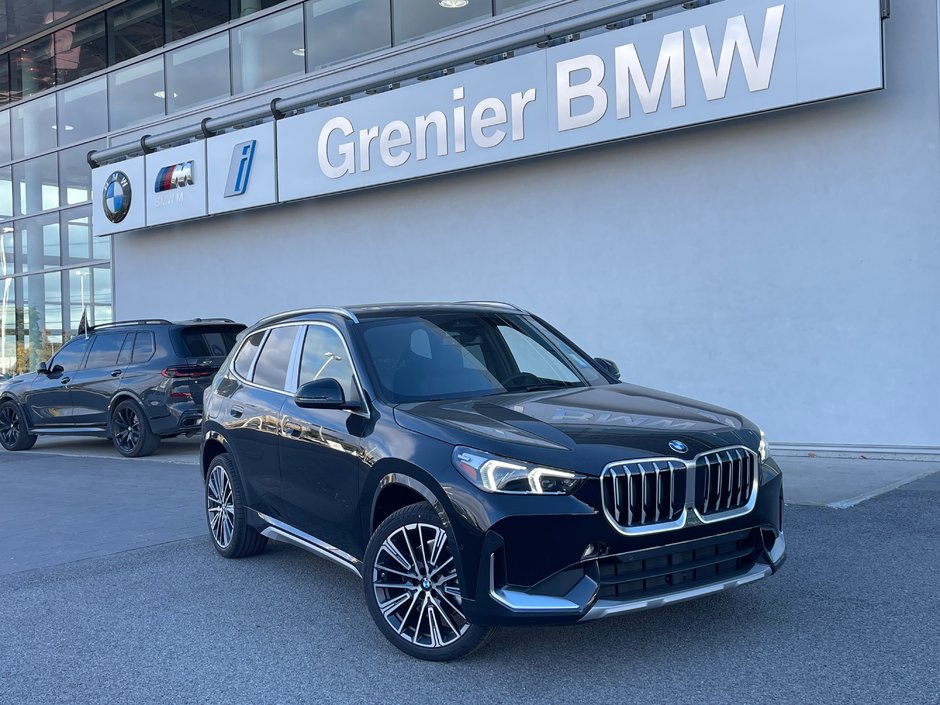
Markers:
point(854, 617)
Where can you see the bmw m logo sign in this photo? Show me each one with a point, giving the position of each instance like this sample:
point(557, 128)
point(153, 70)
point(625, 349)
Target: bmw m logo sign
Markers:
point(678, 446)
point(176, 176)
point(116, 197)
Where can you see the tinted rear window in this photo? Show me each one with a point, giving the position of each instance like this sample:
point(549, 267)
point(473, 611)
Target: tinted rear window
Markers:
point(209, 341)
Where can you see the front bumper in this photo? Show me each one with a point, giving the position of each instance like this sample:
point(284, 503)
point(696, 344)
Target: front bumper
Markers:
point(575, 567)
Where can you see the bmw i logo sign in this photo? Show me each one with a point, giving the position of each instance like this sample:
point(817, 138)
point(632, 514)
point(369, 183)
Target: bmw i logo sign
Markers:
point(678, 446)
point(116, 197)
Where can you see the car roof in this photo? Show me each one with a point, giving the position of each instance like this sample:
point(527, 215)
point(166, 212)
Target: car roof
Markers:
point(150, 322)
point(355, 312)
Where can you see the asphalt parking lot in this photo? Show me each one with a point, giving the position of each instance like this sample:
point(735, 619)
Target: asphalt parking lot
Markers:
point(112, 593)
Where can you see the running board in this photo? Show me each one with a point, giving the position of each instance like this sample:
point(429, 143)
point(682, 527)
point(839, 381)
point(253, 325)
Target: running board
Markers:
point(279, 531)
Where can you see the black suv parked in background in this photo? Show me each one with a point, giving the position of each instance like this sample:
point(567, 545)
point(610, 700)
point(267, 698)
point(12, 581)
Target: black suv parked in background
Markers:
point(132, 381)
point(476, 469)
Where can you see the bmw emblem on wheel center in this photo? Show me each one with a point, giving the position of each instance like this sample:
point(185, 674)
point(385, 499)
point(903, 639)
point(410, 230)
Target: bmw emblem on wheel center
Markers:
point(116, 198)
point(678, 446)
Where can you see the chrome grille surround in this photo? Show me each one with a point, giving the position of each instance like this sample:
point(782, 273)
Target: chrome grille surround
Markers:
point(635, 494)
point(645, 496)
point(736, 475)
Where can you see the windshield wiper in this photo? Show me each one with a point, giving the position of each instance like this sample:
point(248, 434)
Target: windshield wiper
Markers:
point(543, 386)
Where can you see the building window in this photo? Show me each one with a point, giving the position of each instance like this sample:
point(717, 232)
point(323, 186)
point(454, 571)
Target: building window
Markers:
point(137, 93)
point(412, 20)
point(6, 191)
point(31, 68)
point(37, 243)
point(188, 17)
point(83, 111)
point(507, 5)
point(6, 251)
point(268, 50)
point(79, 245)
point(36, 185)
point(243, 8)
point(34, 127)
point(4, 79)
point(136, 27)
point(80, 49)
point(5, 152)
point(75, 173)
point(198, 73)
point(341, 29)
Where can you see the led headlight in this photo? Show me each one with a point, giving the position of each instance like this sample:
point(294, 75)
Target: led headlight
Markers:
point(762, 447)
point(494, 474)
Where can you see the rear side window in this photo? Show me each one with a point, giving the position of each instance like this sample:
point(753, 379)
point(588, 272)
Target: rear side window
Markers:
point(144, 347)
point(105, 348)
point(271, 370)
point(208, 341)
point(246, 356)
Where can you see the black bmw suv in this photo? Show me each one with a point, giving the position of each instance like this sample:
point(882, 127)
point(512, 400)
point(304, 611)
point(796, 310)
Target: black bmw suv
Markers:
point(475, 468)
point(132, 381)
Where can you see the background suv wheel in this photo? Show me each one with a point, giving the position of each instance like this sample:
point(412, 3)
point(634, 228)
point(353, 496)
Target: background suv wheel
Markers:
point(13, 433)
point(412, 588)
point(130, 431)
point(226, 511)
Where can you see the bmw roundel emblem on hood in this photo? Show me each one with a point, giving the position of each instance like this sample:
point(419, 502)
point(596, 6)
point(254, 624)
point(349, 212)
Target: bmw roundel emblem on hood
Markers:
point(678, 446)
point(116, 198)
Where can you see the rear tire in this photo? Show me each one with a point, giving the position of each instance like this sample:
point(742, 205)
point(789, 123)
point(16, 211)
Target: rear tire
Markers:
point(226, 512)
point(13, 432)
point(413, 590)
point(130, 431)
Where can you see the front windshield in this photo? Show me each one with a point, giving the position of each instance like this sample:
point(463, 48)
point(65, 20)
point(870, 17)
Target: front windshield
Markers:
point(461, 355)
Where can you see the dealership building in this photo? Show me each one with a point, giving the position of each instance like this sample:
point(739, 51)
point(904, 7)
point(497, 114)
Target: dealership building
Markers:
point(736, 200)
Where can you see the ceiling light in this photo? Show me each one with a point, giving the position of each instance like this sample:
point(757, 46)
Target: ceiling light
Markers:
point(68, 128)
point(453, 4)
point(299, 52)
point(162, 94)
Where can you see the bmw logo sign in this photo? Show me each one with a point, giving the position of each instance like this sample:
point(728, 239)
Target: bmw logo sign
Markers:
point(116, 198)
point(678, 446)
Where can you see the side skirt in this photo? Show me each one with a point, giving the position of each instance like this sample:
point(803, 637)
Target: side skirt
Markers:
point(279, 531)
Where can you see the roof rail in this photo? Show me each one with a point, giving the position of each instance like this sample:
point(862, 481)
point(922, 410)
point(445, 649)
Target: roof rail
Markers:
point(301, 311)
point(140, 322)
point(209, 320)
point(502, 304)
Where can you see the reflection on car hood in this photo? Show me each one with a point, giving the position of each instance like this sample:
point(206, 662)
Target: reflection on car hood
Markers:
point(623, 416)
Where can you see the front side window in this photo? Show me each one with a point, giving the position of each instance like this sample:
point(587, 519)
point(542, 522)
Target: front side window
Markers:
point(271, 369)
point(325, 357)
point(105, 348)
point(457, 355)
point(70, 355)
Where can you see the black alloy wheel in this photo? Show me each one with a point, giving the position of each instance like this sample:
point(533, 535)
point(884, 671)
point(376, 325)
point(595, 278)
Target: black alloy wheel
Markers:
point(413, 590)
point(131, 432)
point(13, 433)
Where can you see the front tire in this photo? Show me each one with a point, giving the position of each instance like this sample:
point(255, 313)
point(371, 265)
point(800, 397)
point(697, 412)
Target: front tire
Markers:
point(13, 432)
point(413, 590)
point(226, 512)
point(130, 431)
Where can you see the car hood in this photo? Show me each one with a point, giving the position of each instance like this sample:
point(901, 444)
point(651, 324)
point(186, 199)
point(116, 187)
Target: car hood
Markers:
point(585, 427)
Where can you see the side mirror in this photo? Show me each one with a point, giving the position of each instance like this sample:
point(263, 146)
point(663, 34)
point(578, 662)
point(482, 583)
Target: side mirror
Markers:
point(43, 370)
point(609, 366)
point(56, 370)
point(323, 394)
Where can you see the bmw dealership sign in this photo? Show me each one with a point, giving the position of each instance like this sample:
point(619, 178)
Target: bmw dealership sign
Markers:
point(726, 60)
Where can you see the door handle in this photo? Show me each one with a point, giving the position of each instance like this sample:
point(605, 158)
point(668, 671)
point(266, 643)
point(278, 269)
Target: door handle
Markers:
point(65, 380)
point(117, 373)
point(236, 411)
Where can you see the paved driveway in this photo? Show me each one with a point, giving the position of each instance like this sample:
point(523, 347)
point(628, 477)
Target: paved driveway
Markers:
point(111, 593)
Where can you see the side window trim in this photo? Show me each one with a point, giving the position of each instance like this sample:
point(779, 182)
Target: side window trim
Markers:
point(352, 363)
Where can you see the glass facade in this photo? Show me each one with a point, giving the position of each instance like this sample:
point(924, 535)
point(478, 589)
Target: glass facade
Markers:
point(51, 267)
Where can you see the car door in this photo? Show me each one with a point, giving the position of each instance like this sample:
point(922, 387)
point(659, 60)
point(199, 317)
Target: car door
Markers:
point(100, 377)
point(251, 417)
point(319, 453)
point(49, 399)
